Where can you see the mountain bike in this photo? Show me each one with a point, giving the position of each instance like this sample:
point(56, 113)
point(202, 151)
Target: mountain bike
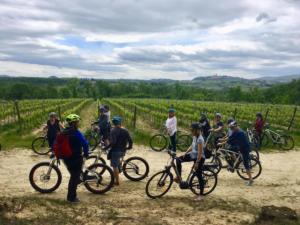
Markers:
point(160, 183)
point(160, 142)
point(46, 177)
point(284, 141)
point(134, 168)
point(40, 145)
point(235, 163)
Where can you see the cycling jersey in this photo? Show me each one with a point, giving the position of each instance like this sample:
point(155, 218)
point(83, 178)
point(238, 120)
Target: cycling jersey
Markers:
point(196, 141)
point(239, 140)
point(119, 138)
point(171, 125)
point(259, 125)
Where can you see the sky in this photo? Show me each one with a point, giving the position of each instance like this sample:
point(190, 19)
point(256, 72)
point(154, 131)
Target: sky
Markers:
point(149, 39)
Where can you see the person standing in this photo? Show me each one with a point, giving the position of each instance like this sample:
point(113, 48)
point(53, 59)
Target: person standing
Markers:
point(78, 145)
point(120, 141)
point(204, 123)
point(259, 126)
point(104, 126)
point(53, 127)
point(171, 126)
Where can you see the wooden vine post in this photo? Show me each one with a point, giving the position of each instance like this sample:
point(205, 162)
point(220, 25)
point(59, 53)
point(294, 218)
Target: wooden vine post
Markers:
point(134, 117)
point(293, 118)
point(18, 114)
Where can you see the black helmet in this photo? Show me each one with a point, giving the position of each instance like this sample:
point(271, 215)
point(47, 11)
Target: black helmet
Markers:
point(195, 126)
point(230, 120)
point(259, 114)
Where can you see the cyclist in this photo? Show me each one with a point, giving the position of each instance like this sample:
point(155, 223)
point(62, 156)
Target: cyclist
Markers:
point(259, 126)
point(218, 127)
point(53, 127)
point(120, 141)
point(195, 153)
point(229, 131)
point(171, 126)
point(107, 111)
point(74, 163)
point(238, 141)
point(204, 123)
point(104, 125)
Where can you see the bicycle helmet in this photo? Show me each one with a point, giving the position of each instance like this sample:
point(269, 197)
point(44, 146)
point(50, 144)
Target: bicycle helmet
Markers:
point(233, 124)
point(102, 109)
point(230, 120)
point(195, 126)
point(52, 114)
point(117, 120)
point(172, 110)
point(218, 115)
point(259, 114)
point(72, 118)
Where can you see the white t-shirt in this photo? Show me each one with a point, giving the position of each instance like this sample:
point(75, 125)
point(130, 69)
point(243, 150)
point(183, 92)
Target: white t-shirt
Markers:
point(108, 115)
point(171, 125)
point(196, 141)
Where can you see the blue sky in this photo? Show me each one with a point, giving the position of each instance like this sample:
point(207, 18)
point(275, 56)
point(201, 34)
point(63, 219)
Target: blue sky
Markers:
point(143, 39)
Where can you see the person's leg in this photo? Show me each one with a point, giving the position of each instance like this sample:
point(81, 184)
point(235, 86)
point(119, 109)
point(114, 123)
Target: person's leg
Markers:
point(199, 172)
point(246, 162)
point(179, 161)
point(173, 142)
point(74, 168)
point(115, 163)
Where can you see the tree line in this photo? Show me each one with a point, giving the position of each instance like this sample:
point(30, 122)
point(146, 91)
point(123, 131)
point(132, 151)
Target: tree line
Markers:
point(43, 88)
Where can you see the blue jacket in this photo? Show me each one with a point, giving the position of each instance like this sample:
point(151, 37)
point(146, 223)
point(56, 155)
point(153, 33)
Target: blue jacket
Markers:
point(78, 142)
point(239, 139)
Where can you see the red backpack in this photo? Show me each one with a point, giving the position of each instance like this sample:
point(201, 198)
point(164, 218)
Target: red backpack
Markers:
point(62, 148)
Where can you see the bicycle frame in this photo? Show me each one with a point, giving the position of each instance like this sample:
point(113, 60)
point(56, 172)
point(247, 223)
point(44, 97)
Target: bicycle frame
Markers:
point(275, 137)
point(225, 153)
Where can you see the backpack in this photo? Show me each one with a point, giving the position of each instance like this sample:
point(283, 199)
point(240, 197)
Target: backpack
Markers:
point(61, 147)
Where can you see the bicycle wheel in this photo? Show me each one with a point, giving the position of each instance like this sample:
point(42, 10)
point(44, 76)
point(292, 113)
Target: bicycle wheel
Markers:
point(255, 168)
point(135, 169)
point(98, 178)
point(264, 140)
point(216, 165)
point(287, 142)
point(40, 146)
point(210, 182)
point(184, 142)
point(93, 159)
point(92, 141)
point(158, 142)
point(159, 184)
point(45, 178)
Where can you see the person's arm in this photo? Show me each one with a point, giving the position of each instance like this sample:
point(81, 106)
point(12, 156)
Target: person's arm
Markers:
point(83, 142)
point(130, 142)
point(188, 150)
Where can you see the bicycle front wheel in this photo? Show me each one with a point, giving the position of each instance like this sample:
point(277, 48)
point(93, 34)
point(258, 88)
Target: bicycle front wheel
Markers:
point(98, 178)
point(184, 142)
point(40, 146)
point(135, 169)
point(255, 169)
point(158, 142)
point(264, 140)
point(159, 184)
point(210, 180)
point(45, 178)
point(287, 142)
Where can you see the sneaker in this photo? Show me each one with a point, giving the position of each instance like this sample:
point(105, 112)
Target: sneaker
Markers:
point(76, 200)
point(199, 198)
point(249, 183)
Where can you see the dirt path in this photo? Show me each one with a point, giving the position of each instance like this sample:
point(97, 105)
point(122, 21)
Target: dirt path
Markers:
point(88, 115)
point(231, 203)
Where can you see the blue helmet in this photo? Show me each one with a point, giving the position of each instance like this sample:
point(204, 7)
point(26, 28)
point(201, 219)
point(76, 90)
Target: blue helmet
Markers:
point(171, 110)
point(117, 120)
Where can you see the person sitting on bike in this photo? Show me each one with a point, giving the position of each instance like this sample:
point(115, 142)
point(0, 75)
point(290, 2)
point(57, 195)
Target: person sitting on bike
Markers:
point(104, 126)
point(74, 164)
point(195, 153)
point(238, 141)
point(204, 123)
point(120, 141)
point(229, 131)
point(259, 126)
point(218, 128)
point(171, 126)
point(53, 127)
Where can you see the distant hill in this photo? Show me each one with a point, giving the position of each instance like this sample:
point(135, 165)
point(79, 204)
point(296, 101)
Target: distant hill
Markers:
point(216, 82)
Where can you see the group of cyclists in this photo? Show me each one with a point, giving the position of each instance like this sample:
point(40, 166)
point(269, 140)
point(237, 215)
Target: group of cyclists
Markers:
point(117, 140)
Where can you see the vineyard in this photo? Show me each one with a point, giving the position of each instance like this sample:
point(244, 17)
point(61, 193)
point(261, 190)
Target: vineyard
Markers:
point(153, 112)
